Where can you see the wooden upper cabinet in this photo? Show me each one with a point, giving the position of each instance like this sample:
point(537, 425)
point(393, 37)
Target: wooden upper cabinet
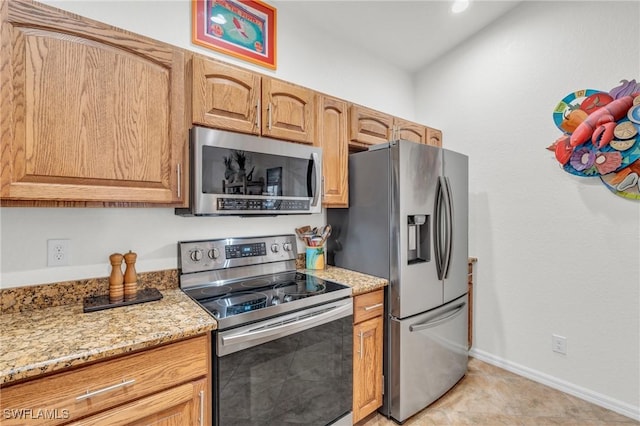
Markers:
point(287, 111)
point(409, 131)
point(225, 96)
point(368, 127)
point(88, 112)
point(434, 137)
point(332, 137)
point(232, 98)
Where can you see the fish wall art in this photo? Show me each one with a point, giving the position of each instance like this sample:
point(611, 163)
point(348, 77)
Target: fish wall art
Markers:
point(601, 136)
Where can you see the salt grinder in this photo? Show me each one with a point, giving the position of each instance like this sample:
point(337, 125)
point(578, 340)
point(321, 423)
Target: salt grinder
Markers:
point(130, 277)
point(116, 279)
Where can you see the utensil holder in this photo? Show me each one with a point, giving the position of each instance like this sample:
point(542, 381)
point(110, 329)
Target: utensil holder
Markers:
point(315, 257)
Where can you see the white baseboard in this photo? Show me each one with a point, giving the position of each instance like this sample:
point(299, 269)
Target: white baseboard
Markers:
point(596, 398)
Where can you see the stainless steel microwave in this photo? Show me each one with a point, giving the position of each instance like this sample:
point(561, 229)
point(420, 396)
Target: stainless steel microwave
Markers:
point(239, 174)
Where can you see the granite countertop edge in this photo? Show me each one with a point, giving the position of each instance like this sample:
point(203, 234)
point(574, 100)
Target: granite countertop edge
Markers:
point(54, 339)
point(50, 340)
point(360, 283)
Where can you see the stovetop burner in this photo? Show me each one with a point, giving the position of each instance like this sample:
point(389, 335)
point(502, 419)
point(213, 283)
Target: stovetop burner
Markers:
point(240, 297)
point(242, 290)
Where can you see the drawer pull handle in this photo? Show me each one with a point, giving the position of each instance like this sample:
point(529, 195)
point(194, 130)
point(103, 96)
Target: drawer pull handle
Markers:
point(377, 305)
point(107, 389)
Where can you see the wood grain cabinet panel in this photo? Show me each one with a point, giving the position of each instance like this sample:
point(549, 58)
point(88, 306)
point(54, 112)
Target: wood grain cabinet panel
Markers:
point(88, 112)
point(288, 111)
point(409, 131)
point(179, 406)
point(434, 137)
point(224, 96)
point(331, 125)
point(368, 127)
point(367, 354)
point(116, 384)
point(232, 98)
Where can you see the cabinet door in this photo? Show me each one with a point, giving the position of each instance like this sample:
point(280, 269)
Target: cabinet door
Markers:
point(88, 112)
point(368, 127)
point(367, 367)
point(331, 124)
point(434, 137)
point(224, 96)
point(181, 405)
point(107, 384)
point(410, 131)
point(287, 111)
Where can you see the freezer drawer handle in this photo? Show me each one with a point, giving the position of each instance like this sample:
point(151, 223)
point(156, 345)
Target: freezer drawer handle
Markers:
point(439, 319)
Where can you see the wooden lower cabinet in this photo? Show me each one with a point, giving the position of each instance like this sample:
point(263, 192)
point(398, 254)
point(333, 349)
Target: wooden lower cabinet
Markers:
point(165, 385)
point(367, 353)
point(181, 405)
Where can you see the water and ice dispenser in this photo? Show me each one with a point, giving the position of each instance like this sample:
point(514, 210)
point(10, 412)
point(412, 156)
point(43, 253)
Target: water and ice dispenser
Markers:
point(418, 238)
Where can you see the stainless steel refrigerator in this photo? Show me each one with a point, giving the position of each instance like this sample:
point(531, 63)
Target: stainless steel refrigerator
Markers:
point(407, 222)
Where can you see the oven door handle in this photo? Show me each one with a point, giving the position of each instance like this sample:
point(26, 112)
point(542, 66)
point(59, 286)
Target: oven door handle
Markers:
point(283, 327)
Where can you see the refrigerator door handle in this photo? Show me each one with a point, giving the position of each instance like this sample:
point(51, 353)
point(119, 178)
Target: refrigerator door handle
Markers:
point(439, 318)
point(449, 228)
point(437, 229)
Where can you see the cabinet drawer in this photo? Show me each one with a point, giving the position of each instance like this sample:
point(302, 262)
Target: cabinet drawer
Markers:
point(70, 395)
point(368, 305)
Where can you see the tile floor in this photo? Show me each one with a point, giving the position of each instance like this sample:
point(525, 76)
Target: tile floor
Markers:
point(490, 396)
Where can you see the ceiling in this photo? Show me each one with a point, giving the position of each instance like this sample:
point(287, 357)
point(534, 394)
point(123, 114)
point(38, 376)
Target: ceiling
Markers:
point(410, 34)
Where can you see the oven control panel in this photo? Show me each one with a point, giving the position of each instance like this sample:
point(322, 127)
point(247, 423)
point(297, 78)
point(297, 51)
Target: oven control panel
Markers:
point(205, 255)
point(236, 251)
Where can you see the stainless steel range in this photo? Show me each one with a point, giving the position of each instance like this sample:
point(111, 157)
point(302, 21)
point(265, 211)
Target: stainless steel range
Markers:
point(283, 347)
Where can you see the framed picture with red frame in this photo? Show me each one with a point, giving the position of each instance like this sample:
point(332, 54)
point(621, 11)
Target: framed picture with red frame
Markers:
point(245, 29)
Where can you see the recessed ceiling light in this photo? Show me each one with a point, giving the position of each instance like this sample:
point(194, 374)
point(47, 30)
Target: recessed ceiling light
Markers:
point(459, 6)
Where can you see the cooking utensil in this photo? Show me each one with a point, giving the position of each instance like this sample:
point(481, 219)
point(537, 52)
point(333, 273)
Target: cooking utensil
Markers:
point(315, 237)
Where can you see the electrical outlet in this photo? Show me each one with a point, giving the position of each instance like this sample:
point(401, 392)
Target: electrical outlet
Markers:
point(559, 344)
point(58, 252)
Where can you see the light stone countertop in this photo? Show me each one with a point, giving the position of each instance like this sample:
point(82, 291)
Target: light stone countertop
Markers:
point(359, 283)
point(51, 339)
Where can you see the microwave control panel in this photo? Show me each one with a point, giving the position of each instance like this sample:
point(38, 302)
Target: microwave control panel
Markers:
point(263, 204)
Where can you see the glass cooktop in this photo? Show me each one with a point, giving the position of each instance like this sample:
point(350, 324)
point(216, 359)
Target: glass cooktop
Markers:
point(260, 297)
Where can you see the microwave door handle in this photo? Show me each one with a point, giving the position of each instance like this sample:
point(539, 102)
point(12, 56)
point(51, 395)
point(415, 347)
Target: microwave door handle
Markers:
point(316, 195)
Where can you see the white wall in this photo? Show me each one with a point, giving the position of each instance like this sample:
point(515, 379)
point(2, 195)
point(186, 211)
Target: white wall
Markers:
point(305, 56)
point(557, 253)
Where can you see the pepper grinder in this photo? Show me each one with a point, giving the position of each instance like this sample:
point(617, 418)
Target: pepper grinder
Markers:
point(116, 279)
point(130, 277)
